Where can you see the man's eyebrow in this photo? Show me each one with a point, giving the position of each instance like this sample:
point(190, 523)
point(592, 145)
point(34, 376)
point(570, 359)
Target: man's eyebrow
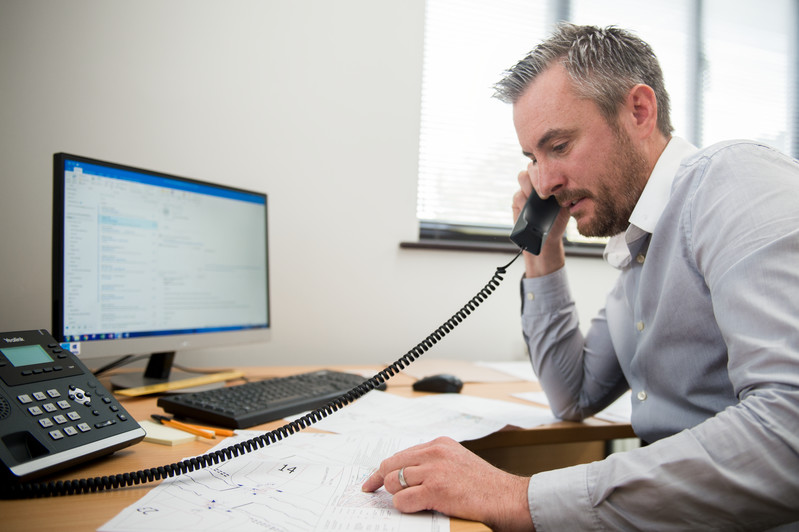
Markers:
point(548, 136)
point(552, 133)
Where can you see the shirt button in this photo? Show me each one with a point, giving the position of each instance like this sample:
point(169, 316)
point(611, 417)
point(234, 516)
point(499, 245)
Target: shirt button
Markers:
point(530, 296)
point(640, 258)
point(641, 395)
point(639, 326)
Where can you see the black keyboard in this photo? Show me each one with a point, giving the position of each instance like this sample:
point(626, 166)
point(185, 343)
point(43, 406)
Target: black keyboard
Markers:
point(246, 405)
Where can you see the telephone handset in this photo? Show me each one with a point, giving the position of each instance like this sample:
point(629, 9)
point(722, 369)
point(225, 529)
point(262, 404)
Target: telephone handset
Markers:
point(53, 412)
point(534, 222)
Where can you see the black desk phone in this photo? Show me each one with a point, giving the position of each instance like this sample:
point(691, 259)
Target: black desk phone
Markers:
point(53, 412)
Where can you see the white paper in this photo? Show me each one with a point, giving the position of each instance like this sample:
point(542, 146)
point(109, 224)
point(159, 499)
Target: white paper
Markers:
point(307, 481)
point(311, 481)
point(618, 411)
point(391, 415)
point(534, 397)
point(522, 370)
point(495, 410)
point(461, 417)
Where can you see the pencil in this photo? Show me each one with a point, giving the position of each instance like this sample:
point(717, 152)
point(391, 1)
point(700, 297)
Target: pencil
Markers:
point(197, 431)
point(218, 432)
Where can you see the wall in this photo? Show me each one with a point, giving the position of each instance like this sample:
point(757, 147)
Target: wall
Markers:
point(315, 102)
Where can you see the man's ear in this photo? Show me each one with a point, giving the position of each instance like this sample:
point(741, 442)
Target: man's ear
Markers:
point(641, 108)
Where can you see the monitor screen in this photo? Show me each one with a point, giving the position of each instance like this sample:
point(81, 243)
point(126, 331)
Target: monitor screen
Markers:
point(147, 262)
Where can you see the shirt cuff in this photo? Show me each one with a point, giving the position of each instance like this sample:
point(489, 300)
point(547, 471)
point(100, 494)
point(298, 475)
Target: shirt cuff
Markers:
point(543, 295)
point(559, 500)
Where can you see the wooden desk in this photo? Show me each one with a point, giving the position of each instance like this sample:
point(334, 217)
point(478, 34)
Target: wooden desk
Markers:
point(90, 511)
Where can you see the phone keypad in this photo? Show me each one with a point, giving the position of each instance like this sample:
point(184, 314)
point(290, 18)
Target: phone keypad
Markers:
point(64, 417)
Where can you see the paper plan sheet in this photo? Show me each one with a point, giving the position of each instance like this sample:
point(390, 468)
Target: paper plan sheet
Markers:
point(307, 481)
point(618, 411)
point(396, 416)
point(522, 370)
point(495, 410)
point(311, 481)
point(461, 417)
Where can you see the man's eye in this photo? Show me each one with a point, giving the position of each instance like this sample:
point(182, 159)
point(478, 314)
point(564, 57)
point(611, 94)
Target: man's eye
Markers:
point(559, 147)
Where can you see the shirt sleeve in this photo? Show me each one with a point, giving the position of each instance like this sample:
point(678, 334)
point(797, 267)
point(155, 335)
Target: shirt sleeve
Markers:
point(579, 373)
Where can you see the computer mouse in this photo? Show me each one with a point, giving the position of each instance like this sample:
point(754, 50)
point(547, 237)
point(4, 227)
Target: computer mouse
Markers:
point(441, 383)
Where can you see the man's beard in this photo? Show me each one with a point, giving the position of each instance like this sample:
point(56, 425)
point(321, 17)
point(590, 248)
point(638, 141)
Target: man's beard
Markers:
point(618, 191)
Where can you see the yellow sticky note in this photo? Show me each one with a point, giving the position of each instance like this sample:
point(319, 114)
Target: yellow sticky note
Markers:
point(158, 433)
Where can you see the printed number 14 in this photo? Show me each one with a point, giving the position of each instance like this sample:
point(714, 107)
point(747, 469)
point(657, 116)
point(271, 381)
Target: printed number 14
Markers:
point(287, 468)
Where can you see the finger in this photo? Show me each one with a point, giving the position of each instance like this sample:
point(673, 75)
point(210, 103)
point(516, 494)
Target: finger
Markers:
point(414, 499)
point(373, 483)
point(389, 470)
point(532, 173)
point(559, 227)
point(519, 199)
point(392, 483)
point(388, 473)
point(525, 183)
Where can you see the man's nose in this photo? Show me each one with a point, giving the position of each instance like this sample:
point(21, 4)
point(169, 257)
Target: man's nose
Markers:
point(549, 179)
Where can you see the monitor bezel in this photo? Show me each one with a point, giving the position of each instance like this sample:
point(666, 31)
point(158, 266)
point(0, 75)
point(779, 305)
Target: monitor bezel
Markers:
point(142, 345)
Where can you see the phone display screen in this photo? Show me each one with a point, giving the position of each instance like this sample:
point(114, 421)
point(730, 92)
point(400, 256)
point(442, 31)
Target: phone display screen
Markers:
point(26, 355)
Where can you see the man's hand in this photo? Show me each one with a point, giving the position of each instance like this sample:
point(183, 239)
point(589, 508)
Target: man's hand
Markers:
point(443, 475)
point(552, 256)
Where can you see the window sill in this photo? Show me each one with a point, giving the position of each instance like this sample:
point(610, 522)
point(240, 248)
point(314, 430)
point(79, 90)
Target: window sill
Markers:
point(493, 239)
point(573, 250)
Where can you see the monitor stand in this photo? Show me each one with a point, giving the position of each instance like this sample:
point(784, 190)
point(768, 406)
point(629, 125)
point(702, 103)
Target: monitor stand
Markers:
point(158, 371)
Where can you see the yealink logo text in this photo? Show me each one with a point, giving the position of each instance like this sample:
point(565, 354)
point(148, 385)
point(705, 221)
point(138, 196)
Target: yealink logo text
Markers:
point(14, 340)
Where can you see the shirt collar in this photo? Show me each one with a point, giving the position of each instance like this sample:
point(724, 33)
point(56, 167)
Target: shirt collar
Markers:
point(651, 204)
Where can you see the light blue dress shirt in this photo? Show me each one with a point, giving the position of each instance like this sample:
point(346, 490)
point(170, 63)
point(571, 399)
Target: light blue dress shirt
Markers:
point(703, 326)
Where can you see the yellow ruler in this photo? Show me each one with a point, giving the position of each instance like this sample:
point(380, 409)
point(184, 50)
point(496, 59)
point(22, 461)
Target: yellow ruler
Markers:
point(184, 383)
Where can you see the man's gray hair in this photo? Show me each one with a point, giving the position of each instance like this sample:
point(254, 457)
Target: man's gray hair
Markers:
point(604, 64)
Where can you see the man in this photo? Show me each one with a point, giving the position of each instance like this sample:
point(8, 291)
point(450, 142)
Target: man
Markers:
point(702, 324)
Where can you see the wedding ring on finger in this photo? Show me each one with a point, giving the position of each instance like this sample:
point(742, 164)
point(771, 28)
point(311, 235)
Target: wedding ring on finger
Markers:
point(402, 481)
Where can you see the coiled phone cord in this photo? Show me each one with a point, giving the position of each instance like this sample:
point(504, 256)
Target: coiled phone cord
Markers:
point(89, 485)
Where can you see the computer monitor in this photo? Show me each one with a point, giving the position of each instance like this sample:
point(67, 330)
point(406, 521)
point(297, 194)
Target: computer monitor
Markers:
point(150, 263)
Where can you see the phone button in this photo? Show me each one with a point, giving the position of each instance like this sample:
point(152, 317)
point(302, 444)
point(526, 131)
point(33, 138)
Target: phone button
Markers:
point(24, 398)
